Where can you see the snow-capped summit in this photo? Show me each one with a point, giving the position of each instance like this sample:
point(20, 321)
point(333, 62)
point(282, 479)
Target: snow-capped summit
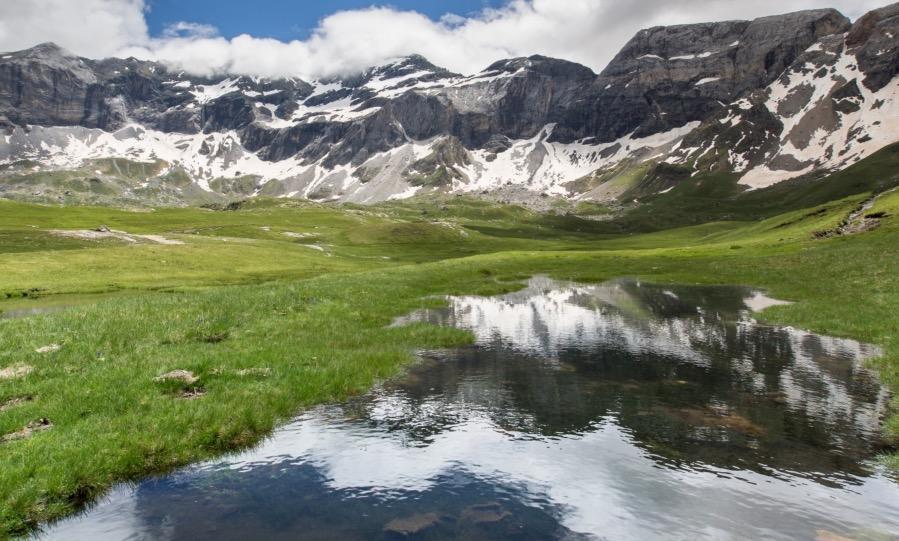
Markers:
point(769, 99)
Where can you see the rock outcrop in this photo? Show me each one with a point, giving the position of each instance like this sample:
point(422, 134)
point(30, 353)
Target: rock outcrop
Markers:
point(666, 77)
point(835, 104)
point(751, 96)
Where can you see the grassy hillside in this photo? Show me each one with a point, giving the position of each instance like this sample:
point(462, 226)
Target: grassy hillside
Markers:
point(716, 197)
point(275, 306)
point(261, 240)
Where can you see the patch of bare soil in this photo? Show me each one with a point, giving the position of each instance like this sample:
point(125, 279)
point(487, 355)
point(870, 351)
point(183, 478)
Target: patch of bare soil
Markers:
point(257, 372)
point(858, 221)
point(192, 393)
point(868, 222)
point(184, 376)
point(104, 232)
point(28, 430)
point(11, 403)
point(52, 348)
point(15, 371)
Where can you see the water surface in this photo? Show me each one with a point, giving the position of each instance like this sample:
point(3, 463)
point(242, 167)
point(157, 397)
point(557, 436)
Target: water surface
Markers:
point(613, 411)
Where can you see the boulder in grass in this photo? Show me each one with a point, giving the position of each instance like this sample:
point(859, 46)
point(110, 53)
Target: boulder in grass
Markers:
point(183, 376)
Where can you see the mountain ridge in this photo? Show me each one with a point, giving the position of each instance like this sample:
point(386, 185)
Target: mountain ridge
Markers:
point(690, 96)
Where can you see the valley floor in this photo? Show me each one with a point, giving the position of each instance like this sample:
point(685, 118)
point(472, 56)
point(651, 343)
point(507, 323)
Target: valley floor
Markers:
point(276, 306)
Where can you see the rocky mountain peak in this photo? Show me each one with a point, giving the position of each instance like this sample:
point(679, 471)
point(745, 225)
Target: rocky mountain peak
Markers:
point(52, 56)
point(786, 94)
point(666, 77)
point(874, 23)
point(676, 43)
point(544, 65)
point(873, 40)
point(409, 64)
point(760, 48)
point(820, 22)
point(45, 50)
point(407, 70)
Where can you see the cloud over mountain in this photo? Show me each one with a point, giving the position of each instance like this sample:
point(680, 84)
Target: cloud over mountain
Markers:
point(585, 31)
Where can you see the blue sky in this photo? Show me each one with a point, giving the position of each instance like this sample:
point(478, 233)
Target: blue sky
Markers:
point(272, 38)
point(285, 19)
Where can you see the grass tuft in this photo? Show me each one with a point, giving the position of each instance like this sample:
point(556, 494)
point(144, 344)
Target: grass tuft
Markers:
point(267, 326)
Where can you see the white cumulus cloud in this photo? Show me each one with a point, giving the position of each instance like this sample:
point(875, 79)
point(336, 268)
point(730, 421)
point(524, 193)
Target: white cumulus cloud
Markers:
point(91, 28)
point(585, 31)
point(185, 29)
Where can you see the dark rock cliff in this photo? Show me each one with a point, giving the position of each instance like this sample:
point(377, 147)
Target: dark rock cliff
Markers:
point(664, 78)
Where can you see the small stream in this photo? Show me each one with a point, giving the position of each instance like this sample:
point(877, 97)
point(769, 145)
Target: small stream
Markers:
point(622, 410)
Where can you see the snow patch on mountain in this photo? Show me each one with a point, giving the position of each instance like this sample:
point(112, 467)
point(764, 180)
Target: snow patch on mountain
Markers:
point(830, 120)
point(535, 164)
point(697, 96)
point(540, 165)
point(207, 93)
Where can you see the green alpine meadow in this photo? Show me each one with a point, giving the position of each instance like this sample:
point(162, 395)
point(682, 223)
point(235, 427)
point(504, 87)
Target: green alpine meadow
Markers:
point(476, 270)
point(274, 306)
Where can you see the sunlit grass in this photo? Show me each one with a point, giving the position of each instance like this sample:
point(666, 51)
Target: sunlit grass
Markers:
point(317, 330)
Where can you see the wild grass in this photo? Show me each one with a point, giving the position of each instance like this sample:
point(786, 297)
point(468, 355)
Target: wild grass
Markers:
point(317, 330)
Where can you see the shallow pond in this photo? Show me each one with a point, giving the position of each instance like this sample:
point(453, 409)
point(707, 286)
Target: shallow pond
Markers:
point(613, 411)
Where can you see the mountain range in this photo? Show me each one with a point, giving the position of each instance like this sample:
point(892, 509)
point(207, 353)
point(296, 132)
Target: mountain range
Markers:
point(800, 95)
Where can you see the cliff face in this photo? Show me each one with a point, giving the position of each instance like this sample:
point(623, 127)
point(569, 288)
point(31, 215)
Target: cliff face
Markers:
point(668, 76)
point(750, 96)
point(44, 86)
point(873, 41)
point(835, 104)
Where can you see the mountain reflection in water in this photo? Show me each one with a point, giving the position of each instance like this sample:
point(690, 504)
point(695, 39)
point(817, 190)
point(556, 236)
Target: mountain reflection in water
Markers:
point(621, 410)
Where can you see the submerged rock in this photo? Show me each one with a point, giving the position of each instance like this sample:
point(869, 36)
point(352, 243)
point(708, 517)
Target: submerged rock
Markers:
point(825, 535)
point(487, 513)
point(413, 525)
point(711, 417)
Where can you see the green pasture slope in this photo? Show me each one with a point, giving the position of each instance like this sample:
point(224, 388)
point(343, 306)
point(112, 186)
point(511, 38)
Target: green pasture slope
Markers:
point(278, 305)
